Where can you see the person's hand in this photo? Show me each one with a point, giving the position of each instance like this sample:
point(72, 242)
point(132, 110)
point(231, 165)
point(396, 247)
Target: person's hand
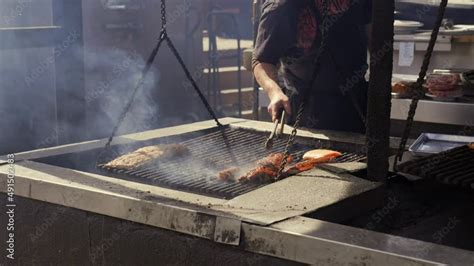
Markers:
point(278, 102)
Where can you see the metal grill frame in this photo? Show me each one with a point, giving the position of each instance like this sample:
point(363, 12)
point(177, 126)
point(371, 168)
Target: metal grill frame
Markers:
point(236, 142)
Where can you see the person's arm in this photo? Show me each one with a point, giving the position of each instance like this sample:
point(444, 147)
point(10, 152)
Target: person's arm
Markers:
point(275, 36)
point(267, 75)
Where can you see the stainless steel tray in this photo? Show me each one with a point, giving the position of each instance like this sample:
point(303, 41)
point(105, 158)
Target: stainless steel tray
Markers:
point(430, 143)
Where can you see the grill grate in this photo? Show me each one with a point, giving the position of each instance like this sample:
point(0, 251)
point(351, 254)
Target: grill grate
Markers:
point(453, 167)
point(211, 153)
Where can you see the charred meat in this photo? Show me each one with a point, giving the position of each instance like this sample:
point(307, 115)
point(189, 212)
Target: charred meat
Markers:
point(146, 155)
point(266, 170)
point(261, 174)
point(229, 174)
point(273, 159)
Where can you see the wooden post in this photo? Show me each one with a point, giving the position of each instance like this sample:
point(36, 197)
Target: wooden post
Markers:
point(379, 95)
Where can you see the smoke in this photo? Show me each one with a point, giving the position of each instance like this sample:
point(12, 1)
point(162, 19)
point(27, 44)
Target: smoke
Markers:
point(112, 75)
point(36, 114)
point(25, 113)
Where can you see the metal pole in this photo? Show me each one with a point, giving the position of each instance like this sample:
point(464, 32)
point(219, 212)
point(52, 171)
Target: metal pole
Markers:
point(379, 94)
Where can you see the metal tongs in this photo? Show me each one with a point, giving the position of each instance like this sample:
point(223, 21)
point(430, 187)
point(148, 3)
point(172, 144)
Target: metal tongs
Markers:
point(276, 134)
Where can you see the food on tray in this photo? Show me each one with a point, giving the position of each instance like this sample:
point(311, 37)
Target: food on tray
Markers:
point(444, 85)
point(443, 82)
point(148, 154)
point(403, 88)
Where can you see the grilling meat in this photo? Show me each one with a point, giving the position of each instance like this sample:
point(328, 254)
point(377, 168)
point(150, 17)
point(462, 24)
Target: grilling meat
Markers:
point(274, 159)
point(312, 159)
point(266, 170)
point(261, 174)
point(146, 155)
point(229, 174)
point(322, 154)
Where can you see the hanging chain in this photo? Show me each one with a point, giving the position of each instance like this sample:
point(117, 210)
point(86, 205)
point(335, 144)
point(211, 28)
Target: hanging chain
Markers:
point(299, 115)
point(291, 140)
point(163, 16)
point(163, 37)
point(418, 89)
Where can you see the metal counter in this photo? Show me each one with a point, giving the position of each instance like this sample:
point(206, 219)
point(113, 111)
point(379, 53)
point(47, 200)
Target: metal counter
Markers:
point(451, 113)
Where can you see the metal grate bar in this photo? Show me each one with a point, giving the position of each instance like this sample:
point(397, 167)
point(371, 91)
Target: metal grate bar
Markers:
point(350, 157)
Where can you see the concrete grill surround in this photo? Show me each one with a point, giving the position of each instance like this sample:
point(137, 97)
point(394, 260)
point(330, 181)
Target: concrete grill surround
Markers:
point(268, 221)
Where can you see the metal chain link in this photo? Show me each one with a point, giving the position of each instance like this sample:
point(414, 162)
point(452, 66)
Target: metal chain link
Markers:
point(299, 115)
point(418, 89)
point(163, 16)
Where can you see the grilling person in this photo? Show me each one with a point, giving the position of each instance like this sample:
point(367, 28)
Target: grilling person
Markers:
point(288, 38)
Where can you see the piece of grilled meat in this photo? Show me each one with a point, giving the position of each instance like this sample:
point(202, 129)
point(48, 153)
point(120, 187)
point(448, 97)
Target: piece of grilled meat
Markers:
point(261, 174)
point(146, 155)
point(229, 174)
point(321, 154)
point(266, 170)
point(311, 159)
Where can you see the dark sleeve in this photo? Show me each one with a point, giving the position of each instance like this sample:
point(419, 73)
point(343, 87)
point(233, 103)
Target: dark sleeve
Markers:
point(276, 34)
point(367, 11)
point(361, 11)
